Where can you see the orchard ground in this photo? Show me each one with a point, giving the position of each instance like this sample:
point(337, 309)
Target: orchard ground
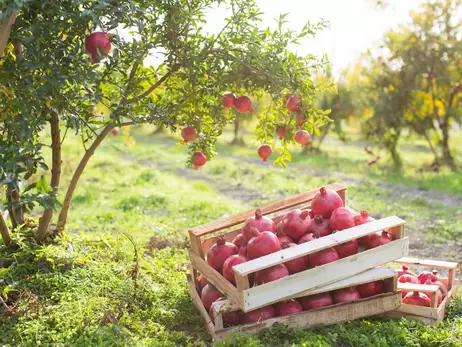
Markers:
point(82, 290)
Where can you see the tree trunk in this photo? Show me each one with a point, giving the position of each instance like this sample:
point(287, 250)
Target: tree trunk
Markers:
point(432, 148)
point(15, 208)
point(55, 175)
point(447, 156)
point(236, 131)
point(5, 30)
point(4, 231)
point(323, 135)
point(62, 219)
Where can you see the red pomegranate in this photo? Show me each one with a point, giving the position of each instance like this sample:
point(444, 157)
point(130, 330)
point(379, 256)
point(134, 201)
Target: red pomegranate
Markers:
point(285, 308)
point(376, 239)
point(325, 256)
point(439, 293)
point(115, 131)
point(363, 218)
point(302, 137)
point(325, 202)
point(296, 223)
point(228, 99)
point(219, 252)
point(239, 241)
point(370, 289)
point(243, 104)
point(407, 278)
point(281, 131)
point(209, 295)
point(341, 219)
point(298, 264)
point(232, 260)
point(307, 238)
point(199, 159)
point(264, 151)
point(283, 238)
point(347, 248)
point(404, 271)
point(319, 226)
point(434, 279)
point(346, 295)
point(271, 274)
point(257, 315)
point(189, 134)
point(259, 222)
point(202, 281)
point(230, 319)
point(262, 244)
point(417, 298)
point(293, 103)
point(98, 45)
point(316, 301)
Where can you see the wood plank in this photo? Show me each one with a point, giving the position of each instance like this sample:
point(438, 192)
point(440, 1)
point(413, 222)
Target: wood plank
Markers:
point(242, 282)
point(397, 314)
point(327, 315)
point(200, 306)
point(230, 221)
point(427, 262)
point(318, 277)
point(419, 311)
point(196, 245)
point(425, 288)
point(316, 245)
point(216, 278)
point(451, 278)
point(375, 274)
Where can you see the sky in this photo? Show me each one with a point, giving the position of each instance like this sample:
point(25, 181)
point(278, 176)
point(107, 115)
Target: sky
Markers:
point(355, 25)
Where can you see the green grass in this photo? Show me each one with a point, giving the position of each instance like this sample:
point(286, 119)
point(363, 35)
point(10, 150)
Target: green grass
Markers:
point(80, 290)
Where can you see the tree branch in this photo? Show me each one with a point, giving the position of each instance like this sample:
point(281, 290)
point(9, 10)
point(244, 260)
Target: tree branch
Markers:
point(6, 236)
point(5, 30)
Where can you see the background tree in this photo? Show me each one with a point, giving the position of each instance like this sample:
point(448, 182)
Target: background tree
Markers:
point(48, 81)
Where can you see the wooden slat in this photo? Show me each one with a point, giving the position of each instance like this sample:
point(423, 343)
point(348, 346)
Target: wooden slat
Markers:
point(378, 273)
point(230, 221)
point(327, 315)
point(424, 288)
point(316, 245)
point(215, 278)
point(418, 311)
point(427, 262)
point(271, 292)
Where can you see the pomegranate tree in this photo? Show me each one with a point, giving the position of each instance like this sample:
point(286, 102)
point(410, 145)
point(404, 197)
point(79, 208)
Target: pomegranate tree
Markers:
point(296, 223)
point(259, 222)
point(319, 226)
point(298, 264)
point(285, 308)
point(316, 301)
point(209, 295)
point(325, 202)
point(270, 274)
point(219, 252)
point(257, 315)
point(262, 244)
point(264, 151)
point(228, 99)
point(232, 260)
point(341, 219)
point(189, 134)
point(346, 295)
point(199, 159)
point(243, 104)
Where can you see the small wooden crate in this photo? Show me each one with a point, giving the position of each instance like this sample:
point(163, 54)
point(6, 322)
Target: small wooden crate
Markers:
point(434, 314)
point(390, 300)
point(248, 299)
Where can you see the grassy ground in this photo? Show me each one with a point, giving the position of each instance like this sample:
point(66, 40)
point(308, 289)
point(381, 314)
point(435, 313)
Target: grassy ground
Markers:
point(82, 292)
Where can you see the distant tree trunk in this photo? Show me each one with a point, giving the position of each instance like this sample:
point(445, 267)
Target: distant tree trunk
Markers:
point(160, 129)
point(432, 148)
point(4, 231)
point(15, 208)
point(236, 132)
point(447, 159)
point(324, 132)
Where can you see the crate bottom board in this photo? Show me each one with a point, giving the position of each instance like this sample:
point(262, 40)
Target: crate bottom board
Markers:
point(428, 315)
point(308, 319)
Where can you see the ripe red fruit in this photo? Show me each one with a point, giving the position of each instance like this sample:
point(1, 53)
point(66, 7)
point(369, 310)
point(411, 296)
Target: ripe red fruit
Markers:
point(260, 222)
point(370, 289)
point(243, 104)
point(98, 45)
point(293, 103)
point(239, 241)
point(363, 218)
point(319, 226)
point(285, 308)
point(283, 238)
point(189, 134)
point(377, 239)
point(341, 219)
point(281, 132)
point(234, 259)
point(347, 249)
point(271, 274)
point(257, 315)
point(219, 252)
point(302, 137)
point(199, 159)
point(316, 301)
point(307, 238)
point(325, 202)
point(264, 151)
point(115, 131)
point(296, 223)
point(262, 244)
point(300, 118)
point(298, 264)
point(230, 319)
point(417, 298)
point(202, 281)
point(426, 276)
point(325, 256)
point(439, 293)
point(209, 295)
point(407, 278)
point(346, 295)
point(228, 99)
point(404, 271)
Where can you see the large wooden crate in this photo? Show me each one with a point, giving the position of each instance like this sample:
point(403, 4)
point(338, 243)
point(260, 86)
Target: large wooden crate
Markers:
point(338, 313)
point(434, 314)
point(247, 298)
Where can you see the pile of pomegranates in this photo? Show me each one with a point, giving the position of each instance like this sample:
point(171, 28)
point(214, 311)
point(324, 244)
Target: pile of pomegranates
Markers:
point(425, 277)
